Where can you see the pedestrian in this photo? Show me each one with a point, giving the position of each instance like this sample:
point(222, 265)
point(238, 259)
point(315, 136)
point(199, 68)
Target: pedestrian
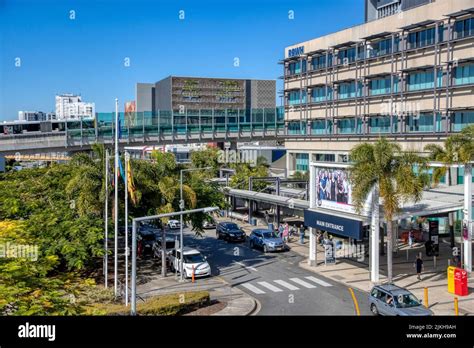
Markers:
point(286, 231)
point(418, 266)
point(302, 234)
point(280, 231)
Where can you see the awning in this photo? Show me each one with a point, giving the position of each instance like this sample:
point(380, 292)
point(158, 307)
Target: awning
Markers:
point(269, 198)
point(418, 25)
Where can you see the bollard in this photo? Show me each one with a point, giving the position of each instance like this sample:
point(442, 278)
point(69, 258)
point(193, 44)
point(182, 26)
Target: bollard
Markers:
point(456, 307)
point(192, 276)
point(434, 262)
point(407, 254)
point(426, 297)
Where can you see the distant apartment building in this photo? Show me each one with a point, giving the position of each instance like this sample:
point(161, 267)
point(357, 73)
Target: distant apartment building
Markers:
point(70, 106)
point(408, 77)
point(30, 116)
point(192, 93)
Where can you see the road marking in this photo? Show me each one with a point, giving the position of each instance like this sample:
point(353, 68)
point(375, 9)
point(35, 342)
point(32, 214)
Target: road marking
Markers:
point(319, 281)
point(286, 285)
point(247, 267)
point(253, 288)
point(270, 286)
point(302, 282)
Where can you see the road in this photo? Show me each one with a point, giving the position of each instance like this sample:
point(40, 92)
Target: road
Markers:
point(275, 280)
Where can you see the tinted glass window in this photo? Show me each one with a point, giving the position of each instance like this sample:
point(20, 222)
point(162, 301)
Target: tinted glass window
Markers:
point(232, 226)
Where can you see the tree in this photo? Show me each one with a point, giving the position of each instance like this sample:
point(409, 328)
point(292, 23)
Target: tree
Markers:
point(383, 167)
point(243, 171)
point(209, 157)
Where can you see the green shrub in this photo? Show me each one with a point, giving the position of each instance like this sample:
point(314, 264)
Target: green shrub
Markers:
point(171, 304)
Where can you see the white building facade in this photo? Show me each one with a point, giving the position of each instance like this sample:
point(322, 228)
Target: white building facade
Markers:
point(71, 106)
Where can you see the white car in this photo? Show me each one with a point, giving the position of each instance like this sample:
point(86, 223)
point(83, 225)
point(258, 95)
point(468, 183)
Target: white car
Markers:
point(174, 224)
point(193, 261)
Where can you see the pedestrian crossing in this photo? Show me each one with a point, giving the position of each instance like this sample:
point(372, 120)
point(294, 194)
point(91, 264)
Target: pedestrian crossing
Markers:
point(280, 285)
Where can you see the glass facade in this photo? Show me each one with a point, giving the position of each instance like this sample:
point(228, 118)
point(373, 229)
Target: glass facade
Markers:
point(420, 123)
point(425, 37)
point(302, 162)
point(318, 94)
point(383, 86)
point(296, 128)
point(464, 28)
point(297, 67)
point(379, 124)
point(349, 90)
point(424, 80)
point(320, 127)
point(464, 75)
point(349, 126)
point(296, 97)
point(347, 56)
point(382, 48)
point(319, 62)
point(461, 120)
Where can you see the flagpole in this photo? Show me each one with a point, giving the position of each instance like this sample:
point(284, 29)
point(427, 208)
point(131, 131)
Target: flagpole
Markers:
point(116, 200)
point(106, 217)
point(127, 159)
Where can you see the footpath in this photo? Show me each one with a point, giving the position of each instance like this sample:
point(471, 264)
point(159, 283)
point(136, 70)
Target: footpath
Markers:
point(355, 273)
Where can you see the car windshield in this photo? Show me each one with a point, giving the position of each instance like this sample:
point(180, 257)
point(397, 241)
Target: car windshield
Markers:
point(148, 237)
point(268, 234)
point(193, 258)
point(406, 301)
point(232, 227)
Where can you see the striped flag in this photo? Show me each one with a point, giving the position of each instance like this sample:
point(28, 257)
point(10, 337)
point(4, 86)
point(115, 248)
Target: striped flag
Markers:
point(131, 186)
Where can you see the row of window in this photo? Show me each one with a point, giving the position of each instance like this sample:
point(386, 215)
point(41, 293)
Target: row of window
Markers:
point(416, 81)
point(418, 39)
point(383, 124)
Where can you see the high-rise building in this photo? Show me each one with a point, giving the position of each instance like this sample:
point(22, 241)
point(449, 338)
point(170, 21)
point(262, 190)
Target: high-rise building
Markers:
point(376, 9)
point(181, 93)
point(409, 78)
point(72, 106)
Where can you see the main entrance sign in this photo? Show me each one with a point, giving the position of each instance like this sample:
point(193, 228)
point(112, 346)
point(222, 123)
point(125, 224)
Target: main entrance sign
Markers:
point(333, 224)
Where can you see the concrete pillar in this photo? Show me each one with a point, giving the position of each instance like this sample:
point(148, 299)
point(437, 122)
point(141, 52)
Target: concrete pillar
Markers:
point(312, 259)
point(468, 217)
point(374, 237)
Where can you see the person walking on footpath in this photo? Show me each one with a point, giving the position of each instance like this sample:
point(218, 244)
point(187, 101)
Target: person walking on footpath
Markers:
point(418, 266)
point(286, 231)
point(280, 231)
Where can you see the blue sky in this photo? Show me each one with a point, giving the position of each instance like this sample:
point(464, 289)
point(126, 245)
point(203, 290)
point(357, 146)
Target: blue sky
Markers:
point(86, 55)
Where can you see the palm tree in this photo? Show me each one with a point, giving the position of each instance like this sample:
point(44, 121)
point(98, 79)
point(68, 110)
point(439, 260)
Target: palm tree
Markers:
point(383, 168)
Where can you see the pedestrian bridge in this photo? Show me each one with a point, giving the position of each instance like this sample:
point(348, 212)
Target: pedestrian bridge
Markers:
point(142, 128)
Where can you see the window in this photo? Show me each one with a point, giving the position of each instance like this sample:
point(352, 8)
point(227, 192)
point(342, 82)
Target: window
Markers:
point(347, 56)
point(296, 128)
point(318, 94)
point(302, 162)
point(464, 75)
point(348, 90)
point(319, 62)
point(381, 48)
point(296, 97)
point(297, 67)
point(422, 80)
point(318, 127)
point(462, 119)
point(425, 37)
point(348, 126)
point(464, 28)
point(420, 123)
point(379, 124)
point(383, 86)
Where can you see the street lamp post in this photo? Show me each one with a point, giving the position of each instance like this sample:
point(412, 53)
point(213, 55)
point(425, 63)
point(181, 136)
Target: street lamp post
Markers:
point(181, 207)
point(116, 167)
point(135, 221)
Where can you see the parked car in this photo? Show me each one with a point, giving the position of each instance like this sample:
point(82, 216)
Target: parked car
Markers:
point(192, 259)
point(170, 245)
point(266, 240)
point(394, 300)
point(230, 231)
point(173, 224)
point(208, 224)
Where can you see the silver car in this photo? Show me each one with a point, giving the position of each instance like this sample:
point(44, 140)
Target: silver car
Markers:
point(394, 300)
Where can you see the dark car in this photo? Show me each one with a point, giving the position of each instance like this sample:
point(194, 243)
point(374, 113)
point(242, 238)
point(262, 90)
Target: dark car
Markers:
point(147, 238)
point(266, 240)
point(230, 231)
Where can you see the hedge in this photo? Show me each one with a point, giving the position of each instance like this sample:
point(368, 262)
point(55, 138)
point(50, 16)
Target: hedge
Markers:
point(170, 304)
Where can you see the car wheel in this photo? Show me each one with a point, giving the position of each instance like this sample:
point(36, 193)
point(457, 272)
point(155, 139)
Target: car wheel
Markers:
point(373, 309)
point(265, 248)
